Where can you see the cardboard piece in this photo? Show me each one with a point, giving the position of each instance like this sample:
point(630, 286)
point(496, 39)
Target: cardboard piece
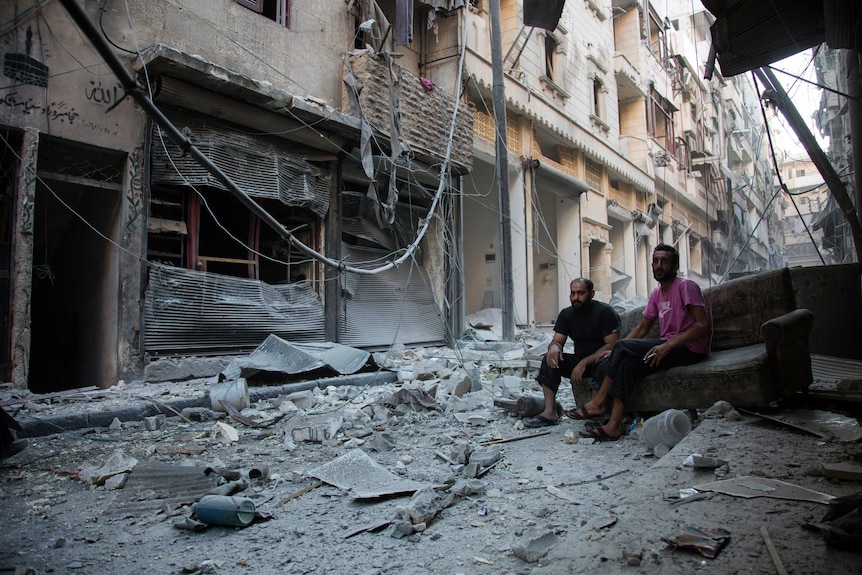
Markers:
point(750, 486)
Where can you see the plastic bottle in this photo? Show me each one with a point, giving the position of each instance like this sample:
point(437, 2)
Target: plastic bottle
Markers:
point(667, 428)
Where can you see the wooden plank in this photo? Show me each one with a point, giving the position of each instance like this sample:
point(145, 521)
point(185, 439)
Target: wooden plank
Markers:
point(225, 260)
point(161, 225)
point(779, 566)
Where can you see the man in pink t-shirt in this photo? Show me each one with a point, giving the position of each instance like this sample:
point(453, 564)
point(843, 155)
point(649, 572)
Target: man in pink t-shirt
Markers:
point(677, 304)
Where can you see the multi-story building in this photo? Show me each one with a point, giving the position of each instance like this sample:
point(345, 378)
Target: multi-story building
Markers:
point(806, 198)
point(835, 123)
point(333, 174)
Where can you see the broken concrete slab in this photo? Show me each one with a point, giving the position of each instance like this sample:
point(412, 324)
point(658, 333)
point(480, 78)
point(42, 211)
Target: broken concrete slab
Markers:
point(118, 463)
point(535, 544)
point(363, 477)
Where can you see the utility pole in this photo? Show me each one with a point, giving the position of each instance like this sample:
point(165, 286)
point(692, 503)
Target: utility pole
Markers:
point(502, 173)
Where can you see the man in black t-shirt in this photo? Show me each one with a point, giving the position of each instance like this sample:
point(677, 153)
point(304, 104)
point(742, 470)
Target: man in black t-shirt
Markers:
point(594, 328)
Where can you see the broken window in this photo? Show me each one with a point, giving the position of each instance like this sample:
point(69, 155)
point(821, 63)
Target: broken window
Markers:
point(657, 38)
point(660, 121)
point(551, 46)
point(276, 10)
point(194, 222)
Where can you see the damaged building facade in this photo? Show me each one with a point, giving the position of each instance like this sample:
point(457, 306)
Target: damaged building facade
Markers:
point(119, 247)
point(365, 128)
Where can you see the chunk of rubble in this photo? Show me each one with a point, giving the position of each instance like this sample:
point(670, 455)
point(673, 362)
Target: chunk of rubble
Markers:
point(535, 544)
point(118, 463)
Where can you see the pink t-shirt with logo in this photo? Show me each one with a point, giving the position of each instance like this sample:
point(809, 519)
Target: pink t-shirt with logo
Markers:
point(669, 307)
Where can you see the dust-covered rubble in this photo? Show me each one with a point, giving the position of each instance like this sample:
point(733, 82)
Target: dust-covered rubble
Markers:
point(421, 475)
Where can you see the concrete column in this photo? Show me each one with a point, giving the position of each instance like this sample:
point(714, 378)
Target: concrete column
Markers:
point(23, 226)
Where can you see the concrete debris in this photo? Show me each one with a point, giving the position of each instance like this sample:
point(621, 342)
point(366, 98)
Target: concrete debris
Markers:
point(415, 399)
point(154, 422)
point(535, 544)
point(118, 463)
point(116, 481)
point(466, 487)
point(698, 461)
point(199, 414)
point(422, 507)
point(486, 456)
point(226, 433)
point(434, 437)
point(310, 434)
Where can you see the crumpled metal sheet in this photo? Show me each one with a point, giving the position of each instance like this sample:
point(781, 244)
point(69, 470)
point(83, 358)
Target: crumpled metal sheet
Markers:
point(280, 356)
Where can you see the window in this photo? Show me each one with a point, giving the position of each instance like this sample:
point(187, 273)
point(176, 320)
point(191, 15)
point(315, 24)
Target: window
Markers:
point(551, 47)
point(660, 121)
point(800, 173)
point(597, 104)
point(657, 38)
point(599, 92)
point(555, 64)
point(275, 10)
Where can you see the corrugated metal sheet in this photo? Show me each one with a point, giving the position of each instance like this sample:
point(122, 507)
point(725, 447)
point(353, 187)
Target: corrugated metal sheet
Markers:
point(153, 486)
point(261, 168)
point(392, 307)
point(280, 356)
point(191, 311)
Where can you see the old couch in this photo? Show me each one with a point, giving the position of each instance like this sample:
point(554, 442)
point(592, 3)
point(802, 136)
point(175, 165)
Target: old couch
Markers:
point(758, 352)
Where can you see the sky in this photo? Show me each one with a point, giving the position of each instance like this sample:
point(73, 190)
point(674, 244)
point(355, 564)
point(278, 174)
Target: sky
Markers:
point(805, 97)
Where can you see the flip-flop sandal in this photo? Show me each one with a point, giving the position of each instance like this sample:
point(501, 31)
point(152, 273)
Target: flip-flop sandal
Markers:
point(580, 414)
point(597, 433)
point(597, 422)
point(540, 421)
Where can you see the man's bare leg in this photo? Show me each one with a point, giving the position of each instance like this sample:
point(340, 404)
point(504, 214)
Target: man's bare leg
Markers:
point(550, 411)
point(614, 427)
point(596, 405)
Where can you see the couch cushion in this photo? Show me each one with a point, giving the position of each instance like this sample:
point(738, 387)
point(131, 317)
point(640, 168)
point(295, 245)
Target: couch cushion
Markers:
point(739, 376)
point(739, 307)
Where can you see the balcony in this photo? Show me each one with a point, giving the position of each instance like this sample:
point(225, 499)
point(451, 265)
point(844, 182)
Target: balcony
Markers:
point(426, 114)
point(629, 82)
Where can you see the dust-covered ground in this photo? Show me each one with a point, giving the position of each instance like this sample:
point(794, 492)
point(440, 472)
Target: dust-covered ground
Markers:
point(536, 501)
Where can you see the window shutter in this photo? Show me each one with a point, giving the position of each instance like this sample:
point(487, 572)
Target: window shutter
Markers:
point(256, 5)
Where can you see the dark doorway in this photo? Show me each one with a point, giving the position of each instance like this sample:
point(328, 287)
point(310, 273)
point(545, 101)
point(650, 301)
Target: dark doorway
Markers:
point(74, 305)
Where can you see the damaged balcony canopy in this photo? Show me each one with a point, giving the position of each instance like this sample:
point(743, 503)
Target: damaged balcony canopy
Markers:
point(749, 34)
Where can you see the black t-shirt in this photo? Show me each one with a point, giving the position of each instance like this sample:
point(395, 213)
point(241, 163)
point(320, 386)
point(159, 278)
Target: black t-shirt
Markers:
point(588, 326)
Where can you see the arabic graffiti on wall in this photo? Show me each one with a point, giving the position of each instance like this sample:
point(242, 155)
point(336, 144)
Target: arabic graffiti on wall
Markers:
point(107, 95)
point(134, 197)
point(65, 112)
point(60, 111)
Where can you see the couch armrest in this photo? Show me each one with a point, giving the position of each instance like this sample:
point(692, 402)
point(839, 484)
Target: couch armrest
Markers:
point(786, 339)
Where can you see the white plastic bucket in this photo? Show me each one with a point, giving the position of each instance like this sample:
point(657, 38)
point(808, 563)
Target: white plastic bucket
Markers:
point(667, 428)
point(233, 392)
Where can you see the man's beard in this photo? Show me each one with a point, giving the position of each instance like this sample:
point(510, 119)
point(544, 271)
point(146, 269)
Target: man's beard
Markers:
point(665, 277)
